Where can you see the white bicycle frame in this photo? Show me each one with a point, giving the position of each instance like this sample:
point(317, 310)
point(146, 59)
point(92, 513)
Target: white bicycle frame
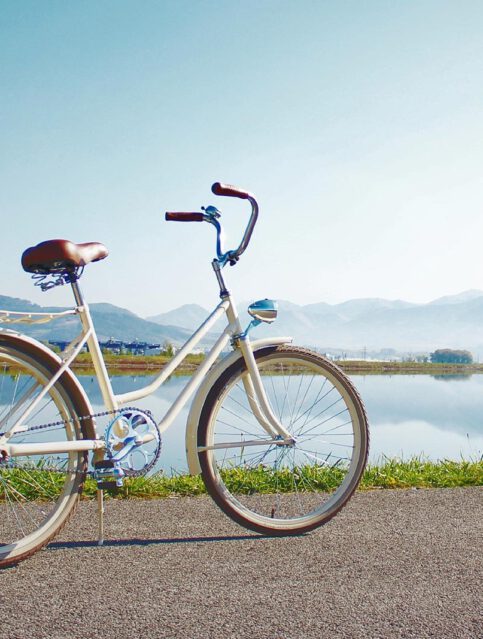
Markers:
point(203, 378)
point(232, 333)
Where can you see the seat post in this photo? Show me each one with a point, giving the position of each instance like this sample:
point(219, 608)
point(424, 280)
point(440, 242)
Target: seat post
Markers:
point(79, 298)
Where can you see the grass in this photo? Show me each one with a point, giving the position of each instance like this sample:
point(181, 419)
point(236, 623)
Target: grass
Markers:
point(126, 364)
point(389, 473)
point(422, 473)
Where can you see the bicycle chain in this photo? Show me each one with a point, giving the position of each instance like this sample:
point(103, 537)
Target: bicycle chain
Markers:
point(82, 418)
point(8, 463)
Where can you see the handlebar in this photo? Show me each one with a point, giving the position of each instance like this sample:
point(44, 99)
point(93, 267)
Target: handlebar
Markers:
point(229, 191)
point(182, 216)
point(211, 214)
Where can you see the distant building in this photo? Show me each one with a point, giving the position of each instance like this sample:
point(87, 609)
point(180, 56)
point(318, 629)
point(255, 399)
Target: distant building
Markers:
point(117, 346)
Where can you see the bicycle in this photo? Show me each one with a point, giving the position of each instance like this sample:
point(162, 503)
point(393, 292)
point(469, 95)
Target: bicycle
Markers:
point(278, 432)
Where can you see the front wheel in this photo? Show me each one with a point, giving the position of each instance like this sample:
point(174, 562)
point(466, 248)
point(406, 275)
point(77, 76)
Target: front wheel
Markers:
point(269, 486)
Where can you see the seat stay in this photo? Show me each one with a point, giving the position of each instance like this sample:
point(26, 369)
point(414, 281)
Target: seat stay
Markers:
point(18, 426)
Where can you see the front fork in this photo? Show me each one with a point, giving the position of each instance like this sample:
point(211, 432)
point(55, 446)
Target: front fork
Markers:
point(257, 397)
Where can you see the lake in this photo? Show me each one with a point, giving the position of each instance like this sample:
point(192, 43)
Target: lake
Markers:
point(435, 417)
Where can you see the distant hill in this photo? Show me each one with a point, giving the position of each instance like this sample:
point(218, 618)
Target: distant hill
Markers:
point(466, 296)
point(454, 321)
point(188, 316)
point(110, 321)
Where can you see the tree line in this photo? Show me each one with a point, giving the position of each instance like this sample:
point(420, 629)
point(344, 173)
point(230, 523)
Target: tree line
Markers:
point(450, 356)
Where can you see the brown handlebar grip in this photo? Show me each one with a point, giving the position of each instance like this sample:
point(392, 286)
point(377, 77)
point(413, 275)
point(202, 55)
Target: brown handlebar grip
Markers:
point(184, 216)
point(230, 191)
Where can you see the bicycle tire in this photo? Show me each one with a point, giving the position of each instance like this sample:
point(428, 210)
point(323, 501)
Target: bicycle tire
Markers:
point(38, 493)
point(284, 490)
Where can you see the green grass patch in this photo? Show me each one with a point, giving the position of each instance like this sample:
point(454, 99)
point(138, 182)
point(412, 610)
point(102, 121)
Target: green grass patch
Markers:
point(421, 473)
point(389, 473)
point(156, 486)
point(125, 364)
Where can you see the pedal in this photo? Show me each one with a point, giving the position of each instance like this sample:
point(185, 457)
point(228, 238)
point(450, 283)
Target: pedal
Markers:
point(108, 474)
point(104, 463)
point(107, 485)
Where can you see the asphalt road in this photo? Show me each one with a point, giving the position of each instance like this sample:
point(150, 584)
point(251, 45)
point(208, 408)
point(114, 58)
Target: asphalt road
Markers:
point(392, 564)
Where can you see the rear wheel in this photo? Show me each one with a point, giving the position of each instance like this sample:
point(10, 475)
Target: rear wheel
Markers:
point(268, 486)
point(37, 492)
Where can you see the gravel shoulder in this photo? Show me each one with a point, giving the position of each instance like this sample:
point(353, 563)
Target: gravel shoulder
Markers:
point(391, 564)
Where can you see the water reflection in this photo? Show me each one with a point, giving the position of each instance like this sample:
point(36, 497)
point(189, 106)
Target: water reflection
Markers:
point(439, 417)
point(424, 415)
point(456, 378)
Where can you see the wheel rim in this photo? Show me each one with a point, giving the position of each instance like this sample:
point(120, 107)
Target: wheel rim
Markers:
point(36, 492)
point(282, 487)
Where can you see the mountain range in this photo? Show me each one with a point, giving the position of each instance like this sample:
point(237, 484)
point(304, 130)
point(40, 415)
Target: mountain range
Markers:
point(368, 324)
point(354, 326)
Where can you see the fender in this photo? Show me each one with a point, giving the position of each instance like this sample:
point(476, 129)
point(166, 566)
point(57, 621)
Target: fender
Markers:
point(204, 389)
point(32, 347)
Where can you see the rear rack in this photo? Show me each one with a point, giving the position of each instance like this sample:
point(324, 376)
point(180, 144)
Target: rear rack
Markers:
point(18, 317)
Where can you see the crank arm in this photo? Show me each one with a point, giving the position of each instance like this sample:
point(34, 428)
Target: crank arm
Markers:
point(131, 443)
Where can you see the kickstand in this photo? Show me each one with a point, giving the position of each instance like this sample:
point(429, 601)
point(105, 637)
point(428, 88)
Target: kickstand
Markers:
point(100, 516)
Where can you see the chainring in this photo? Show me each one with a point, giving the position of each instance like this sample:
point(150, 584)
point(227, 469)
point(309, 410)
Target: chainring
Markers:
point(128, 427)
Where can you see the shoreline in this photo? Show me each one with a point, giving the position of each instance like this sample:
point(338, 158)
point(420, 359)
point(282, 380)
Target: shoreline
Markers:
point(125, 364)
point(407, 368)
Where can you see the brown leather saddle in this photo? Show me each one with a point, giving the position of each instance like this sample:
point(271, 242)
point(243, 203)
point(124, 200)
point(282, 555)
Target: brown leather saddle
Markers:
point(61, 256)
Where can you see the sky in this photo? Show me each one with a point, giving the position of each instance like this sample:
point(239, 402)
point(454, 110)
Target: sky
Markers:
point(357, 124)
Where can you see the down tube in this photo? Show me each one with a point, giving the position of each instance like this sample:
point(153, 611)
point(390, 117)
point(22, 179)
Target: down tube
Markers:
point(194, 382)
point(178, 358)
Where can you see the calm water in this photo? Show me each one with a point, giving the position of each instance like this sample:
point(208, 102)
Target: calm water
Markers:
point(439, 418)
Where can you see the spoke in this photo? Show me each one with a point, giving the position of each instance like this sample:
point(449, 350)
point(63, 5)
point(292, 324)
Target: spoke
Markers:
point(239, 430)
point(324, 421)
point(15, 406)
point(12, 509)
point(275, 395)
point(296, 490)
point(252, 459)
point(317, 458)
point(304, 397)
point(307, 422)
point(326, 442)
point(242, 419)
point(314, 404)
point(286, 384)
point(8, 510)
point(239, 403)
point(331, 430)
point(20, 500)
point(36, 415)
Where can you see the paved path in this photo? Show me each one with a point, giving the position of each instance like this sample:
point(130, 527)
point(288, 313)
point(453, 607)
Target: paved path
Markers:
point(392, 564)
